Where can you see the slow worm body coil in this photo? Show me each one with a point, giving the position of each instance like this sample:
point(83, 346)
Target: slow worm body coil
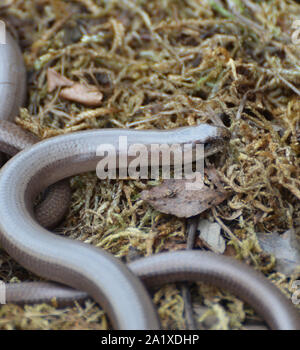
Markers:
point(83, 267)
point(13, 138)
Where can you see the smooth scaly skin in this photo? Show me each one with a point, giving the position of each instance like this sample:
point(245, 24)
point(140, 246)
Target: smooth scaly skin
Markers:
point(180, 266)
point(56, 199)
point(99, 274)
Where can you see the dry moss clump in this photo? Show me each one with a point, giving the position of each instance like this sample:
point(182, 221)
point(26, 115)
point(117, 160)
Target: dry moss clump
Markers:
point(164, 64)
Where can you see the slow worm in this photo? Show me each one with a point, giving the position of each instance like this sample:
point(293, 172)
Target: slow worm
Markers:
point(111, 283)
point(13, 139)
point(55, 201)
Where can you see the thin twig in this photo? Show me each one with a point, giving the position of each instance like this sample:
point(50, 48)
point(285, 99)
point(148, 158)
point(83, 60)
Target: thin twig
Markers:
point(192, 224)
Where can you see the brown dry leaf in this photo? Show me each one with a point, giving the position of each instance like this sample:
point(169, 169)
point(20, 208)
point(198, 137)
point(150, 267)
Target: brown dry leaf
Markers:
point(172, 197)
point(88, 95)
point(56, 80)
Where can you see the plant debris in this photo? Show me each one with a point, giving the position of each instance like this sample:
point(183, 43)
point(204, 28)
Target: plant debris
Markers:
point(210, 235)
point(164, 64)
point(285, 247)
point(88, 95)
point(173, 197)
point(55, 80)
